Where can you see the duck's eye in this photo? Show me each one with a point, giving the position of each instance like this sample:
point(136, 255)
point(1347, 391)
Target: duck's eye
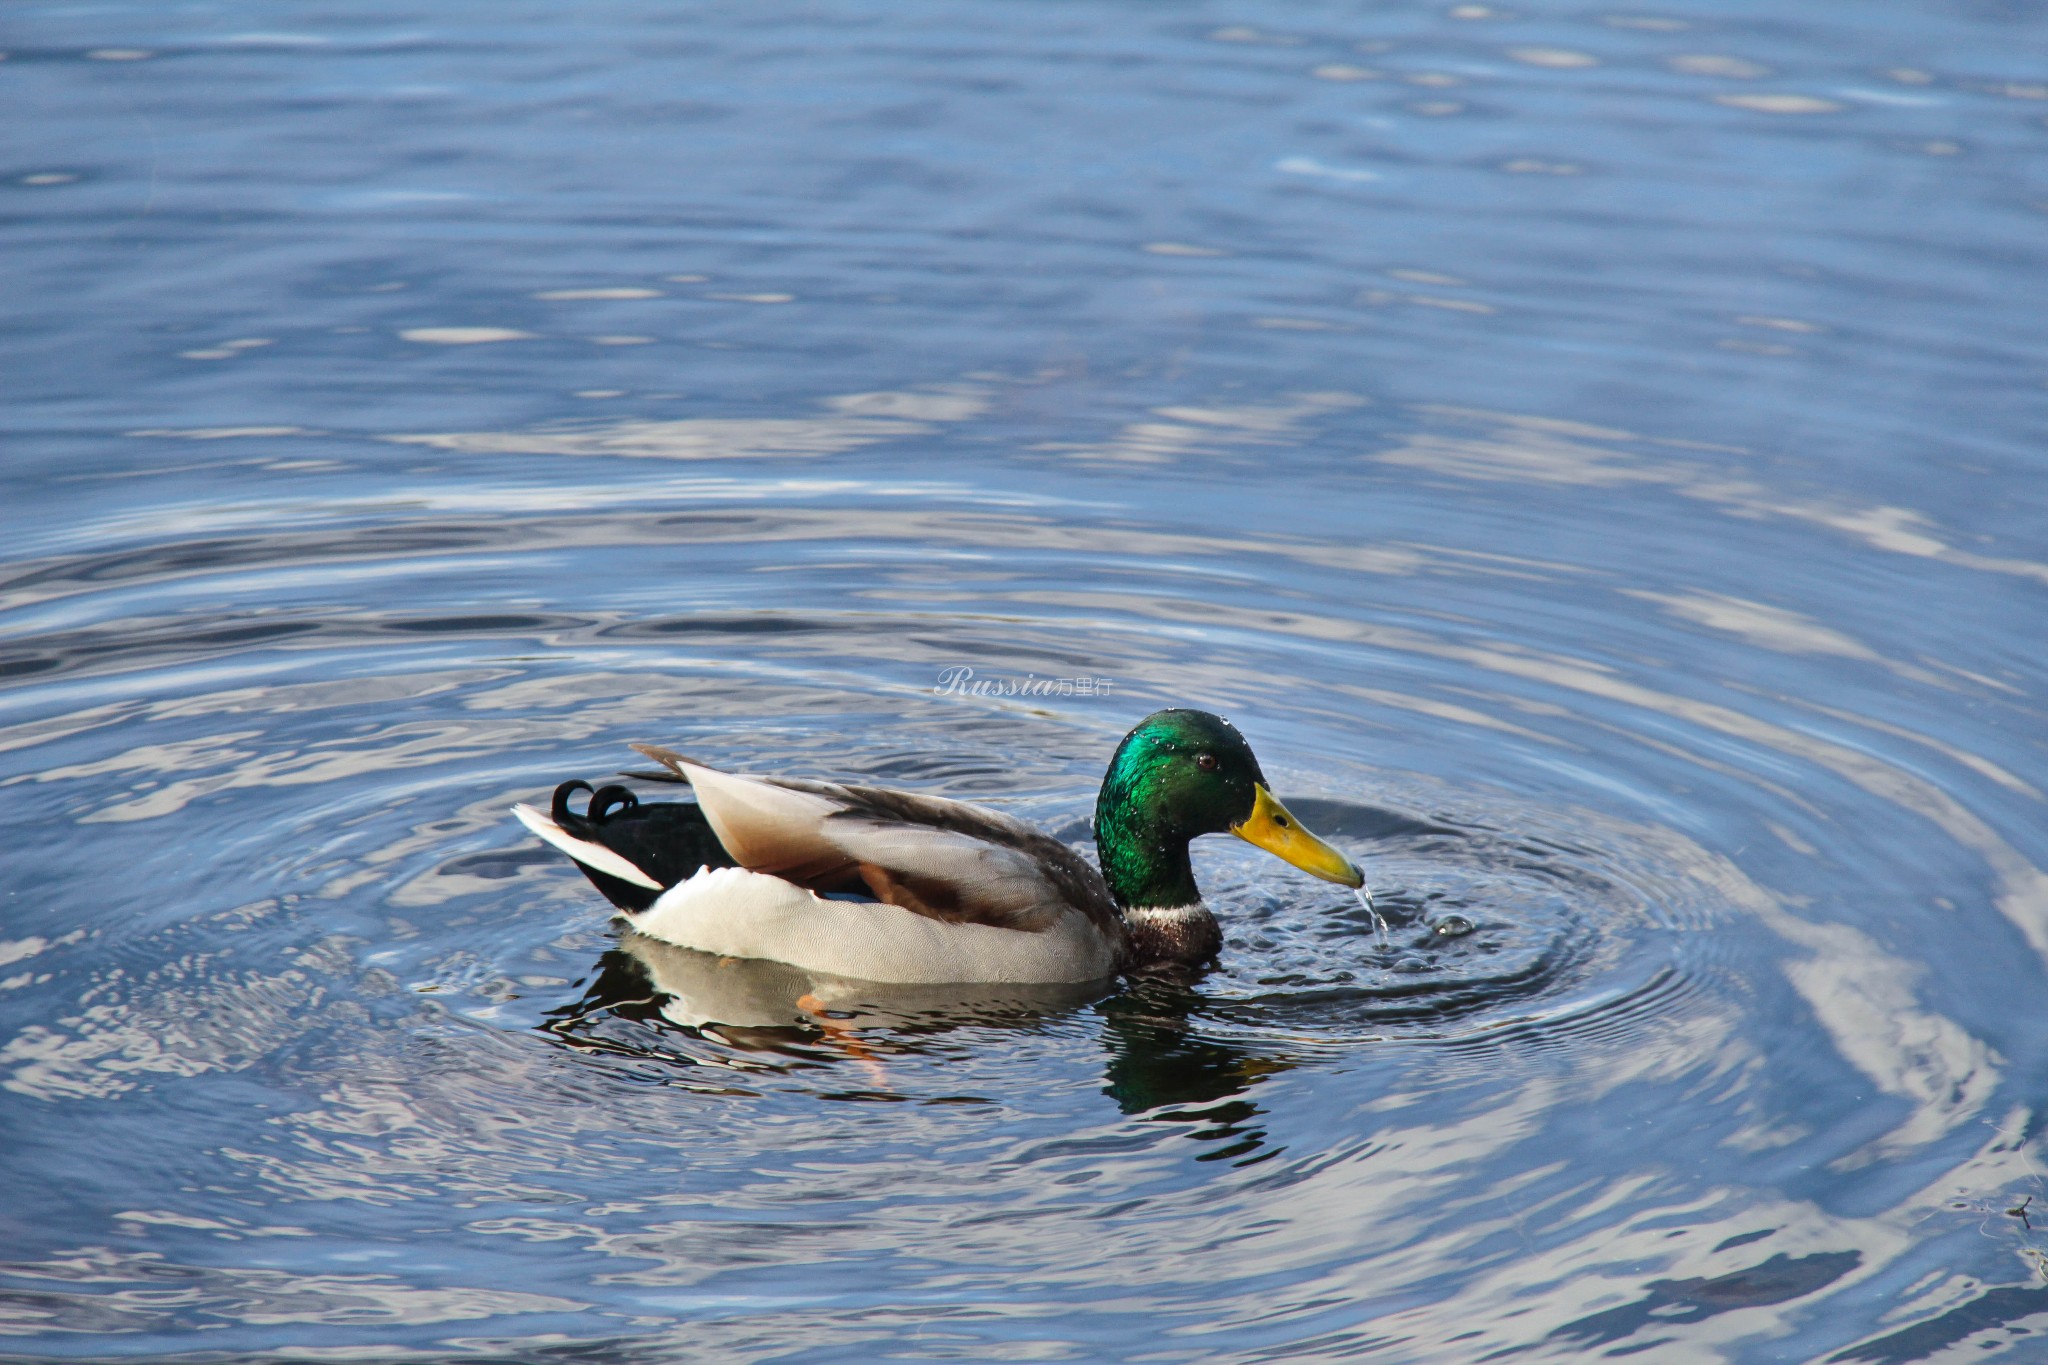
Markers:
point(1206, 762)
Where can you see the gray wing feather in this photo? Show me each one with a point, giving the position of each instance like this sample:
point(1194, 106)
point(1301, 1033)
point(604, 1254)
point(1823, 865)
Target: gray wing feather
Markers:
point(946, 859)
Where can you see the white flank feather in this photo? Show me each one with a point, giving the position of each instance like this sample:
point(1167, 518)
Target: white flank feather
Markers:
point(595, 856)
point(736, 913)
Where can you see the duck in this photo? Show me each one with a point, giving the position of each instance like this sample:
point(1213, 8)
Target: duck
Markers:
point(874, 884)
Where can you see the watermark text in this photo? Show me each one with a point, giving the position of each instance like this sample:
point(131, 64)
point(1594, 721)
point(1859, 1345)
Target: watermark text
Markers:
point(960, 680)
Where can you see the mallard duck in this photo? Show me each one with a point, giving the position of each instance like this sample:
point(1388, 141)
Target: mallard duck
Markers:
point(890, 886)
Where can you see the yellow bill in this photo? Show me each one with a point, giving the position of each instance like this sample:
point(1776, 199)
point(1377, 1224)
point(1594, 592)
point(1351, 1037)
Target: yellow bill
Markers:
point(1280, 834)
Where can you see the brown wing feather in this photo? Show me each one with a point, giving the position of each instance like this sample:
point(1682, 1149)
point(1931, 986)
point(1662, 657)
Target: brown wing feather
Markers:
point(783, 844)
point(667, 758)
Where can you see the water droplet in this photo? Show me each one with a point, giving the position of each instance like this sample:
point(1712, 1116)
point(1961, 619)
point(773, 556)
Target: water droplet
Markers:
point(1379, 922)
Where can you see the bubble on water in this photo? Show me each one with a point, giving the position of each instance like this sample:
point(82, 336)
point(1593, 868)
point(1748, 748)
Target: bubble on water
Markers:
point(1452, 926)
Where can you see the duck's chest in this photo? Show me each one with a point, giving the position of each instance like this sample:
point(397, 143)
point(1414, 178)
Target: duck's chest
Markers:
point(1181, 933)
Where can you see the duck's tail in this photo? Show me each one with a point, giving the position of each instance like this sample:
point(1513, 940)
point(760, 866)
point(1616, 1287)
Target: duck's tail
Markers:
point(631, 852)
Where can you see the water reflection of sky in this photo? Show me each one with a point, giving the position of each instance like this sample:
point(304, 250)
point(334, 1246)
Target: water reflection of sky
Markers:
point(1590, 454)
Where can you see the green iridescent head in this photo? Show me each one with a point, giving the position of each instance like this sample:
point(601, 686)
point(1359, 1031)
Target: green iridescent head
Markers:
point(1179, 775)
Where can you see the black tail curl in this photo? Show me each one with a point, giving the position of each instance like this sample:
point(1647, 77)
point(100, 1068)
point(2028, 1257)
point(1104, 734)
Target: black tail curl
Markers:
point(604, 803)
point(669, 840)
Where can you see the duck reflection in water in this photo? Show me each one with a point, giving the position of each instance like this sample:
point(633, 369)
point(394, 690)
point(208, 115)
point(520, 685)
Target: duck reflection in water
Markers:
point(777, 1017)
point(1162, 1066)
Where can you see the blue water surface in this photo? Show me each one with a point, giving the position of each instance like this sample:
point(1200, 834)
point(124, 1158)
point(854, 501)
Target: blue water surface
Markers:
point(1593, 455)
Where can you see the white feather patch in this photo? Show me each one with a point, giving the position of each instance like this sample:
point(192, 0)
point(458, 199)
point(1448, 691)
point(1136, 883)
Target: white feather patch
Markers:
point(1165, 914)
point(595, 856)
point(736, 913)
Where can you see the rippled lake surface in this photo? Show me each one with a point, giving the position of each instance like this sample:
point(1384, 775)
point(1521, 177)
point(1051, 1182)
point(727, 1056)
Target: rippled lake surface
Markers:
point(1595, 457)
